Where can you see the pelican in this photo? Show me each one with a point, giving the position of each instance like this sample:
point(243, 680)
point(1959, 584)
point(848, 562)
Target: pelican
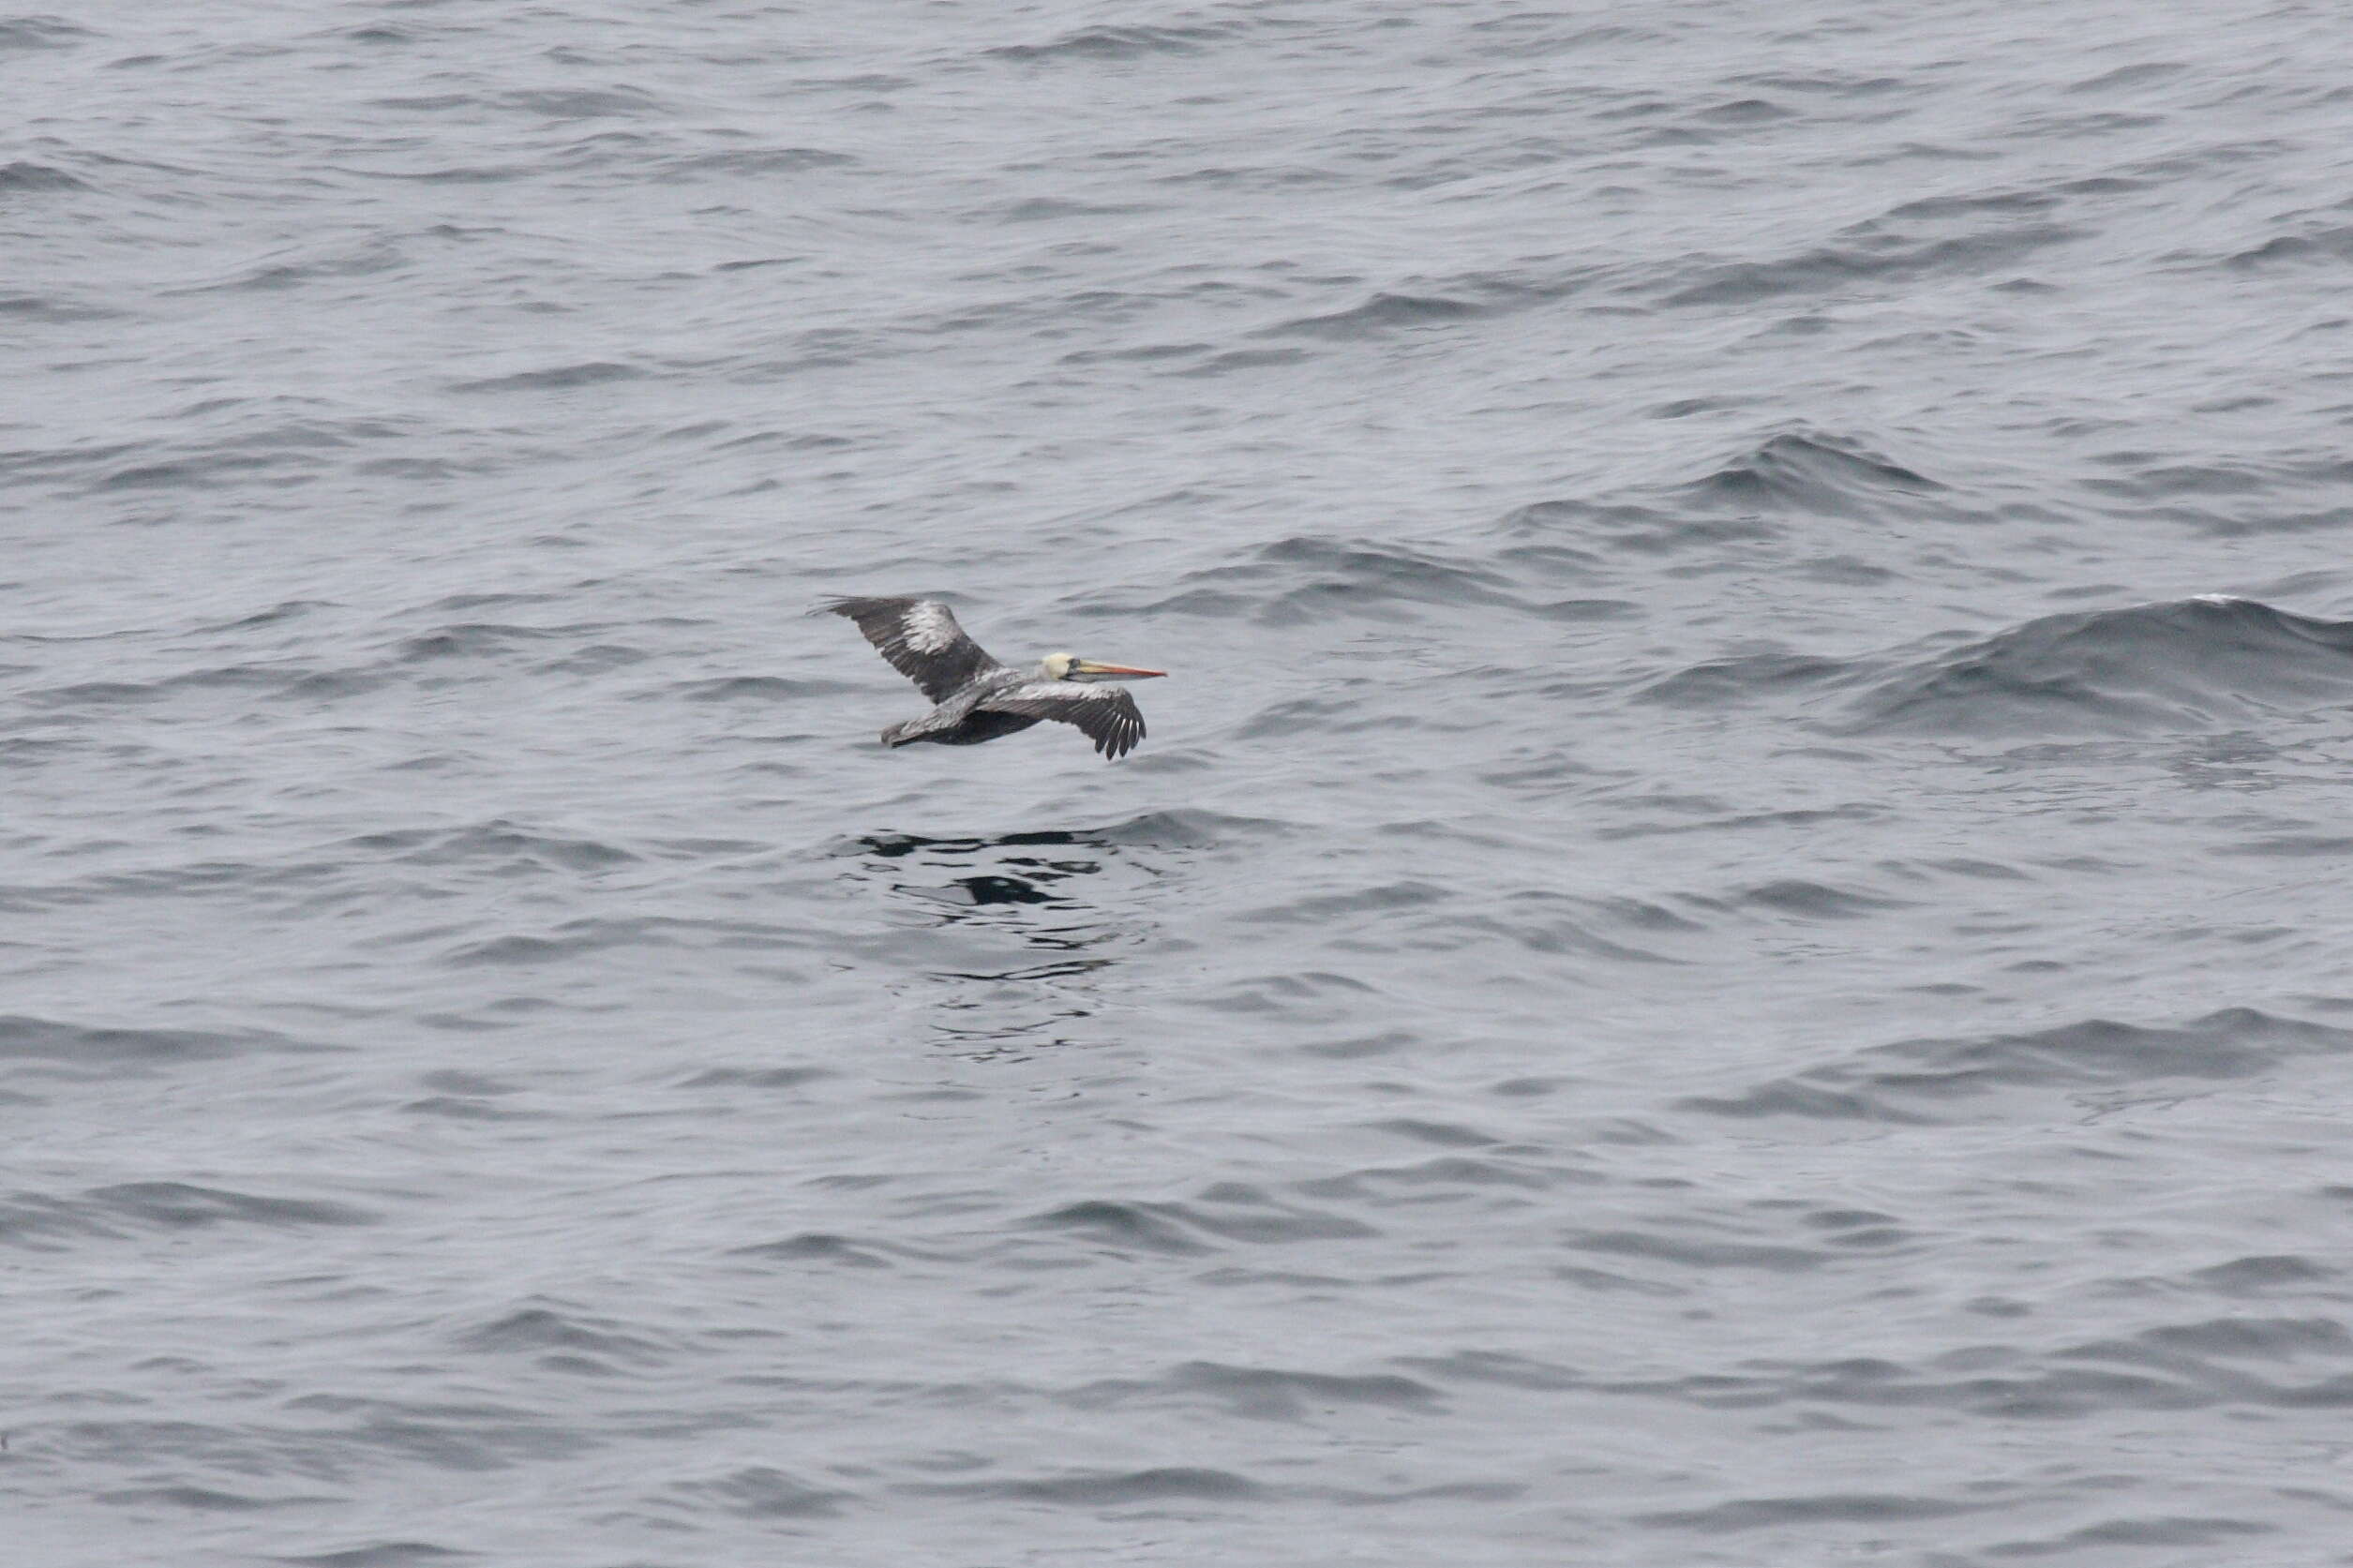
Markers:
point(979, 699)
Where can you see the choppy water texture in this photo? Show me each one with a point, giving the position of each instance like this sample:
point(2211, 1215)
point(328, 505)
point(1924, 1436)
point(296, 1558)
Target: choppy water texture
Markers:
point(1729, 947)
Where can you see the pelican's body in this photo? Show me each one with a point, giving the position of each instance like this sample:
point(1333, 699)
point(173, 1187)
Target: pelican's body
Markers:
point(979, 699)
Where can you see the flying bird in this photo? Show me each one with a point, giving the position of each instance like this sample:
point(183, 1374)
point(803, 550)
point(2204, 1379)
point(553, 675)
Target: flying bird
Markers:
point(979, 699)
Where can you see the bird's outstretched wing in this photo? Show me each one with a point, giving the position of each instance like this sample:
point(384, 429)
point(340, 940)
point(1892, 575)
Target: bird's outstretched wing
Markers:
point(921, 639)
point(1107, 715)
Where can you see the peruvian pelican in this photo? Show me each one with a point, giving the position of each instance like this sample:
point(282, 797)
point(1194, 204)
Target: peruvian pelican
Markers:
point(981, 699)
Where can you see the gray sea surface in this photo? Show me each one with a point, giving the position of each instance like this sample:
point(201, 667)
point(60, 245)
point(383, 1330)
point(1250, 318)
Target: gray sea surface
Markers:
point(1729, 947)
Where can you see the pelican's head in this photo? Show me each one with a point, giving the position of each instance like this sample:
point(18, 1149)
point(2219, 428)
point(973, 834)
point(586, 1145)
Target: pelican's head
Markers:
point(1070, 666)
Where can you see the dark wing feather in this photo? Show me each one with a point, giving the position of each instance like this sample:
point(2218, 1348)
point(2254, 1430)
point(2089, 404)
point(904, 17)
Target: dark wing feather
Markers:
point(921, 639)
point(1107, 715)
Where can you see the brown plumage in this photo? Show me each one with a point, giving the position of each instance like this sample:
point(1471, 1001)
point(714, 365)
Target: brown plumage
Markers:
point(979, 699)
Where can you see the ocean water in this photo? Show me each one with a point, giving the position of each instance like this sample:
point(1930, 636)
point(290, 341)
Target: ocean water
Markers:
point(1730, 946)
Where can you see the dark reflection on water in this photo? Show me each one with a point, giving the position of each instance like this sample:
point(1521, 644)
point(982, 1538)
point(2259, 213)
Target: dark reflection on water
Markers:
point(1001, 890)
point(1021, 879)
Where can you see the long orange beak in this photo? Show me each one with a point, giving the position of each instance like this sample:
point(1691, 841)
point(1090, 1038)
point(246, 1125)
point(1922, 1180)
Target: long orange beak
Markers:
point(1091, 668)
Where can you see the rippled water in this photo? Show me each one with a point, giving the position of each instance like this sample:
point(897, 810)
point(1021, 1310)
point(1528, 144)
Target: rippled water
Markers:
point(1728, 947)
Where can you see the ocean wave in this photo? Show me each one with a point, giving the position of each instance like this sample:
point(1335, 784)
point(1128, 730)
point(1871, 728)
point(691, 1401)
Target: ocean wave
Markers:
point(497, 842)
point(1931, 1080)
point(44, 1222)
point(1323, 577)
point(1862, 262)
point(1162, 1485)
point(23, 1037)
point(2183, 665)
point(1114, 43)
point(1229, 1214)
point(1812, 473)
point(1381, 314)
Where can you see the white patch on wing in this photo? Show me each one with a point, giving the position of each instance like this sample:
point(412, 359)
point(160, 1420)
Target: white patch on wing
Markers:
point(929, 627)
